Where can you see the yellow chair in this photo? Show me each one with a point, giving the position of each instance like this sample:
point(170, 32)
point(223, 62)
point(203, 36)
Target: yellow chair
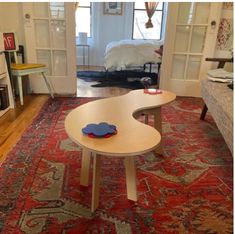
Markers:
point(21, 70)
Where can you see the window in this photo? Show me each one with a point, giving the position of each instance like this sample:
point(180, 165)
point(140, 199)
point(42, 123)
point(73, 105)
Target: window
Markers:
point(83, 18)
point(140, 18)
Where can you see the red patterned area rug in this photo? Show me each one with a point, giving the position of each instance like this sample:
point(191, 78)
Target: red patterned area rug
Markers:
point(188, 189)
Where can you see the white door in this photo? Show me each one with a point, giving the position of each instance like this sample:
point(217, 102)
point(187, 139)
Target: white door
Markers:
point(50, 39)
point(190, 37)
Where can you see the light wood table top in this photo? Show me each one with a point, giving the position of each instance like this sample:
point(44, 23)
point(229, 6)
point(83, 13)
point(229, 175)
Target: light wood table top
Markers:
point(133, 137)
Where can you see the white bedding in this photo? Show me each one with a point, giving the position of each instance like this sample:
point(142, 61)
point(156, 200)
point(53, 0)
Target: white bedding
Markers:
point(121, 54)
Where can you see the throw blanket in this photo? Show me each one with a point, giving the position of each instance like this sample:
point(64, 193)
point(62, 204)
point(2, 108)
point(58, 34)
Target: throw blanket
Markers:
point(121, 54)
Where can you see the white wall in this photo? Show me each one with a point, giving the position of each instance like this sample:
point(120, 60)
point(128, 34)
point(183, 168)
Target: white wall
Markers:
point(11, 19)
point(107, 28)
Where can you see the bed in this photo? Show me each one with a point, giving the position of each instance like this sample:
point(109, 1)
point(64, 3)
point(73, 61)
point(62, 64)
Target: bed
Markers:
point(134, 59)
point(124, 54)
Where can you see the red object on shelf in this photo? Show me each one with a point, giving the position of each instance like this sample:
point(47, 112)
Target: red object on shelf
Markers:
point(152, 91)
point(9, 41)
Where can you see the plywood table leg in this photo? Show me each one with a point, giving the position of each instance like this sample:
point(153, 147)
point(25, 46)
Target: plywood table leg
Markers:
point(86, 158)
point(95, 182)
point(158, 126)
point(130, 178)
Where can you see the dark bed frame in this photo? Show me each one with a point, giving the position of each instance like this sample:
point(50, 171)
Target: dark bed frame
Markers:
point(139, 72)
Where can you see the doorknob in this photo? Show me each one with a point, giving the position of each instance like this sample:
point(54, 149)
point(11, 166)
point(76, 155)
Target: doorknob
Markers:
point(27, 16)
point(213, 24)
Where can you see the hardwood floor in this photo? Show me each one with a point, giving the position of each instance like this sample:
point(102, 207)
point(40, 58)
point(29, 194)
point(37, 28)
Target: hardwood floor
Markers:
point(84, 89)
point(15, 121)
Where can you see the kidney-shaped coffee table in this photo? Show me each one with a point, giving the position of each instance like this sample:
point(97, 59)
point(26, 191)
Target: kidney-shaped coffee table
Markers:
point(132, 138)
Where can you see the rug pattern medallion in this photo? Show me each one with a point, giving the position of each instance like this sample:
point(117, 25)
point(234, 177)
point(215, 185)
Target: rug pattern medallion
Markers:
point(188, 189)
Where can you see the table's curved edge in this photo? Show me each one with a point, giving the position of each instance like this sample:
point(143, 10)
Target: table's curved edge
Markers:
point(142, 109)
point(133, 153)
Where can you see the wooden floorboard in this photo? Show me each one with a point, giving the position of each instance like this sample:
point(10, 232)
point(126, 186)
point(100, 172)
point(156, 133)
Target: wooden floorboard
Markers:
point(15, 121)
point(84, 89)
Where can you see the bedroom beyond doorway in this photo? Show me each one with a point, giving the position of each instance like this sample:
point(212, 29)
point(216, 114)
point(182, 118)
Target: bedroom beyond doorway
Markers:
point(84, 88)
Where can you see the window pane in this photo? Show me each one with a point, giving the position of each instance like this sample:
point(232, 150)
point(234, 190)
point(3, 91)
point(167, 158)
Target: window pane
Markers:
point(57, 10)
point(185, 13)
point(198, 39)
point(84, 4)
point(58, 33)
point(83, 21)
point(178, 66)
point(60, 63)
point(182, 34)
point(140, 32)
point(141, 5)
point(160, 6)
point(194, 64)
point(44, 57)
point(42, 33)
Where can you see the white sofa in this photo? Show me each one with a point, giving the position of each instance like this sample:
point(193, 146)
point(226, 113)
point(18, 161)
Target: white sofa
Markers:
point(219, 101)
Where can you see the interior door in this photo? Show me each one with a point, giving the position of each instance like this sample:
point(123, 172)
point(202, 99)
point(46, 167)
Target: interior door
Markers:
point(190, 37)
point(50, 39)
